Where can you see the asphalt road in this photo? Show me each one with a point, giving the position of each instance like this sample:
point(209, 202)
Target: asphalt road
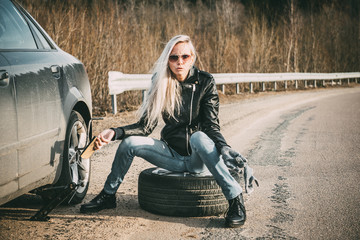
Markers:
point(304, 147)
point(306, 153)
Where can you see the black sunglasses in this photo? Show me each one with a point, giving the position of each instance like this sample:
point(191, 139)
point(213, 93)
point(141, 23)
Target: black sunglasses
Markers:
point(175, 58)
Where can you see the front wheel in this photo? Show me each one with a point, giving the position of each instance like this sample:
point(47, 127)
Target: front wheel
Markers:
point(75, 169)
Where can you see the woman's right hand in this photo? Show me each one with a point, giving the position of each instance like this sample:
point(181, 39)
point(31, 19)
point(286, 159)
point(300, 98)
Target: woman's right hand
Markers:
point(104, 138)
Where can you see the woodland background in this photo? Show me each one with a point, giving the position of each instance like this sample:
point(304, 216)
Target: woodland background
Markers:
point(231, 36)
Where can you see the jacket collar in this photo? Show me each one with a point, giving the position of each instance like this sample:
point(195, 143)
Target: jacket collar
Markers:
point(193, 76)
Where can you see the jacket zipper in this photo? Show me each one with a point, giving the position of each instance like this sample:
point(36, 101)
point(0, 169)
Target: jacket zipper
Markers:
point(191, 102)
point(187, 127)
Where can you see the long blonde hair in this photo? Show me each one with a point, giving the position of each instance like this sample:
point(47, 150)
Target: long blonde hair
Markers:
point(164, 94)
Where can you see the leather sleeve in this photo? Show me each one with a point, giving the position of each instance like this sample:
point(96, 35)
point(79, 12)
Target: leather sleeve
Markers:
point(209, 111)
point(136, 129)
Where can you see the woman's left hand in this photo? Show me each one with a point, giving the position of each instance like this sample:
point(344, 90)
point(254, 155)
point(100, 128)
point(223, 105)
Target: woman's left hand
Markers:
point(232, 159)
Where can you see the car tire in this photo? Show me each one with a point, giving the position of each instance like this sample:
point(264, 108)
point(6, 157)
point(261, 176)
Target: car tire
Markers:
point(179, 195)
point(74, 168)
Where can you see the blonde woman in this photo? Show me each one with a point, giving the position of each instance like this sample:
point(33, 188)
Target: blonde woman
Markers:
point(187, 100)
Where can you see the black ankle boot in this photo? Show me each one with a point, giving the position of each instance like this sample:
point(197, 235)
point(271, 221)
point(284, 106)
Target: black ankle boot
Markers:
point(236, 213)
point(100, 202)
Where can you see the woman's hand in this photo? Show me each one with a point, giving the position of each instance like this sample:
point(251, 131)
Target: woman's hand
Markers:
point(232, 159)
point(104, 138)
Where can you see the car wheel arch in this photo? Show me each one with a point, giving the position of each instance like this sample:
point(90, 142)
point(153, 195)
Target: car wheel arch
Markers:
point(85, 112)
point(75, 101)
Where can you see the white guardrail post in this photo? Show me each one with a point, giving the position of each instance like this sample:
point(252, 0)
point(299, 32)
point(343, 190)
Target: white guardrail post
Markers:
point(120, 82)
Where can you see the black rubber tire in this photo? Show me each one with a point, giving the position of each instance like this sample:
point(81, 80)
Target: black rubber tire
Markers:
point(181, 196)
point(81, 167)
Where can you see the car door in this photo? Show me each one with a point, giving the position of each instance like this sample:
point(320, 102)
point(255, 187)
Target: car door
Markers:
point(8, 131)
point(35, 75)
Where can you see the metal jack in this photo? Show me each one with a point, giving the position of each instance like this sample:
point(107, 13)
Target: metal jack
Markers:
point(68, 190)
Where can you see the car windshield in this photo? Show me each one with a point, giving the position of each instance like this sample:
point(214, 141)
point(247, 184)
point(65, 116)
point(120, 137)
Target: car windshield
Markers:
point(14, 31)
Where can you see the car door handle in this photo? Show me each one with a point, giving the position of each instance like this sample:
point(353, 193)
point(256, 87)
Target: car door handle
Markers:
point(55, 70)
point(4, 78)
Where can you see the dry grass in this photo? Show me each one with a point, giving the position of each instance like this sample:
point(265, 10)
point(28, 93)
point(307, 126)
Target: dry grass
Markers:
point(128, 36)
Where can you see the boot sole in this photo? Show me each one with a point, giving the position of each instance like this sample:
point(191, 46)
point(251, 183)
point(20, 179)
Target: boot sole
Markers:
point(96, 209)
point(234, 225)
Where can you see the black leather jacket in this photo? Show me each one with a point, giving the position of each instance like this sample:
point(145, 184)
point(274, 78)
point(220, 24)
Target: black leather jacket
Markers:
point(200, 107)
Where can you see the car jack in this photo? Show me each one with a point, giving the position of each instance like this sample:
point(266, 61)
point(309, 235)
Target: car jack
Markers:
point(68, 190)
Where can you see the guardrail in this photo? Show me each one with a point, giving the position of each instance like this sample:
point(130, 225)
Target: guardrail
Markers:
point(120, 82)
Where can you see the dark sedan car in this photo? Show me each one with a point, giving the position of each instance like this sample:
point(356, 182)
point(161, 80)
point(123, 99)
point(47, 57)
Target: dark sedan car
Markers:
point(45, 110)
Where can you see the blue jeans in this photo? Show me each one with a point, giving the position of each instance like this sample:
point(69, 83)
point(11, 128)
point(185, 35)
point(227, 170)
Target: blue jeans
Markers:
point(204, 157)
